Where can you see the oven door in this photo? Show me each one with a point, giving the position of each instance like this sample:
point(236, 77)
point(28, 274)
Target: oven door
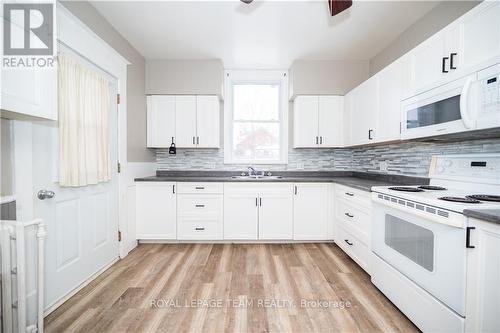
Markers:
point(431, 254)
point(442, 110)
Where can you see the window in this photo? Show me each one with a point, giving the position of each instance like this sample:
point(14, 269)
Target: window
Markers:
point(256, 117)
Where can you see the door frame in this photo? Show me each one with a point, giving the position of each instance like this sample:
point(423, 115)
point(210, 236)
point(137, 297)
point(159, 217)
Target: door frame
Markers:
point(74, 34)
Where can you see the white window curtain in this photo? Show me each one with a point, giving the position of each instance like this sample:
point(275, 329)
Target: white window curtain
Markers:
point(84, 102)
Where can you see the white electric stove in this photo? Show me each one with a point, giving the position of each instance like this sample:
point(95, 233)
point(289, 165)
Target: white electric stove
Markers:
point(420, 238)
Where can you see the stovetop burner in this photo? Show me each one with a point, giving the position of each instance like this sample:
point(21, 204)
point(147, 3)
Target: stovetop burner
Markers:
point(485, 197)
point(433, 188)
point(406, 189)
point(460, 199)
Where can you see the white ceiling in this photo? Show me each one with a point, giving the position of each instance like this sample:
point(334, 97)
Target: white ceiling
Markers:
point(263, 34)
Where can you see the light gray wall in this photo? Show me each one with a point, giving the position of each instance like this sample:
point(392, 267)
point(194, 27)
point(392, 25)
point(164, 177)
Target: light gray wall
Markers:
point(323, 77)
point(136, 100)
point(439, 17)
point(5, 158)
point(184, 77)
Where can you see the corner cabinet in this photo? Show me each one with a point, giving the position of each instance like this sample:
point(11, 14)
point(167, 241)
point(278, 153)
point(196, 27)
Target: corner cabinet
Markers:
point(483, 278)
point(188, 121)
point(156, 210)
point(318, 121)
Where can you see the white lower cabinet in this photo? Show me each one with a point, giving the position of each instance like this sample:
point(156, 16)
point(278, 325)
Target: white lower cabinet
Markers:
point(199, 216)
point(483, 278)
point(353, 223)
point(258, 211)
point(156, 210)
point(310, 211)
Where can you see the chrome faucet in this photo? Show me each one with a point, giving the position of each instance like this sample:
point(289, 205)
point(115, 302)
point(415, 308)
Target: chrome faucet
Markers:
point(251, 171)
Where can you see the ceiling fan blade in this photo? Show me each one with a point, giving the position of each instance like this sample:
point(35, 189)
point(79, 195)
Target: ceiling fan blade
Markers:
point(337, 6)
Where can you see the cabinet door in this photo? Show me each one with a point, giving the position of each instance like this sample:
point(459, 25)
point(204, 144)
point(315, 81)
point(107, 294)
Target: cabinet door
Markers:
point(364, 112)
point(240, 211)
point(31, 92)
point(185, 121)
point(276, 212)
point(160, 121)
point(479, 34)
point(483, 278)
point(390, 82)
point(156, 210)
point(310, 212)
point(330, 121)
point(426, 62)
point(346, 137)
point(207, 122)
point(305, 122)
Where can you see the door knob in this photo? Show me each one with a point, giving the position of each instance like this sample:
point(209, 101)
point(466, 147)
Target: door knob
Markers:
point(44, 194)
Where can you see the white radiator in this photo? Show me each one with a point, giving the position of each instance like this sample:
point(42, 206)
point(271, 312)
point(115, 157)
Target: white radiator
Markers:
point(14, 268)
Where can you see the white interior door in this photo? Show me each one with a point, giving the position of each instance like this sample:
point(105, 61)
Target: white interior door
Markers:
point(82, 222)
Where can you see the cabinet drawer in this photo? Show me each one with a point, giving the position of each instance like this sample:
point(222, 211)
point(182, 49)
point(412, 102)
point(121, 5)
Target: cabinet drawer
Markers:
point(354, 220)
point(199, 205)
point(353, 195)
point(193, 188)
point(199, 229)
point(356, 249)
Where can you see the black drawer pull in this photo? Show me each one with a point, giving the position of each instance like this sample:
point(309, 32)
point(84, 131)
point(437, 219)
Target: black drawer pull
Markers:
point(199, 206)
point(348, 215)
point(199, 188)
point(349, 194)
point(347, 241)
point(199, 229)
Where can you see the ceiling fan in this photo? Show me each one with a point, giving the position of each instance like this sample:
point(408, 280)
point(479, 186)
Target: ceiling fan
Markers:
point(335, 6)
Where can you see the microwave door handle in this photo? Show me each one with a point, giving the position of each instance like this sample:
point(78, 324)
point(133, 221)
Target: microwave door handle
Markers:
point(464, 103)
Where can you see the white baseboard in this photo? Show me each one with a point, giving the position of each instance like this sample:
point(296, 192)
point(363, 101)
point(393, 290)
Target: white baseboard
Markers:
point(258, 241)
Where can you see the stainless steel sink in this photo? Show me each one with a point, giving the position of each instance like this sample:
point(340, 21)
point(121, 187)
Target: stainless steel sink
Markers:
point(256, 177)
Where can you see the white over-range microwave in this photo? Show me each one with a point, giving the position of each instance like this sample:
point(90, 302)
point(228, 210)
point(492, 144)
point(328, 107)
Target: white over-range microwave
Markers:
point(469, 103)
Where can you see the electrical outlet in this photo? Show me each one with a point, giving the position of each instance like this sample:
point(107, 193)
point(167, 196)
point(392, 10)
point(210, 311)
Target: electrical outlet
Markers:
point(300, 166)
point(383, 166)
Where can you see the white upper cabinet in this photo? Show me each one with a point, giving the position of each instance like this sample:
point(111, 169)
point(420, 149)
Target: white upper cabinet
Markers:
point(364, 112)
point(188, 121)
point(185, 121)
point(207, 122)
point(29, 92)
point(479, 35)
point(390, 91)
point(160, 121)
point(318, 121)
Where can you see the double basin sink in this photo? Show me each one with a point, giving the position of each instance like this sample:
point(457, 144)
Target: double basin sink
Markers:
point(256, 177)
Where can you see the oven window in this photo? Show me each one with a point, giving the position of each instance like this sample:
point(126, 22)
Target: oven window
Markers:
point(412, 241)
point(435, 113)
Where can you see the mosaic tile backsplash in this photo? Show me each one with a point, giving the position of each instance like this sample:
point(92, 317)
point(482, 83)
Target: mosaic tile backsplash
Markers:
point(408, 158)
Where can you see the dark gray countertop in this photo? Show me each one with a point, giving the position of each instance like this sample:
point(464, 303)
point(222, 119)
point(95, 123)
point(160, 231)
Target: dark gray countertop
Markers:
point(359, 180)
point(490, 215)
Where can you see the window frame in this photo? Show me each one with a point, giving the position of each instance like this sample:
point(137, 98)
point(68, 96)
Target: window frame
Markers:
point(232, 77)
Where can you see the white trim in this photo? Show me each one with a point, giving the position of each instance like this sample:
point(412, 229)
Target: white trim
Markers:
point(82, 285)
point(230, 76)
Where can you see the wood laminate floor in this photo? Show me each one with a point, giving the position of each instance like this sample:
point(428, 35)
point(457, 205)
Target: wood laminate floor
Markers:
point(231, 288)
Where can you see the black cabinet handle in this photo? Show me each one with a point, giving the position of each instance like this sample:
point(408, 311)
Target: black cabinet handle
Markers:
point(347, 241)
point(172, 139)
point(173, 189)
point(320, 140)
point(349, 194)
point(199, 206)
point(452, 57)
point(193, 140)
point(199, 229)
point(317, 140)
point(295, 190)
point(370, 134)
point(467, 238)
point(256, 202)
point(443, 65)
point(348, 215)
point(199, 188)
point(197, 140)
point(260, 202)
